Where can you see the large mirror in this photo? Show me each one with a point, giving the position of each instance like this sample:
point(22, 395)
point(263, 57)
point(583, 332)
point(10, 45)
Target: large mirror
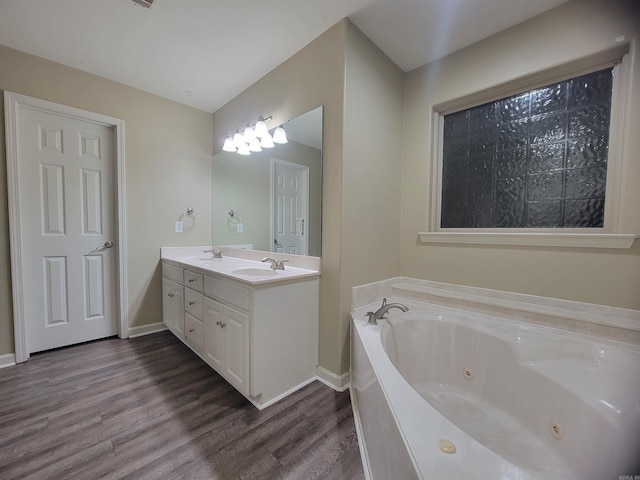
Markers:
point(272, 200)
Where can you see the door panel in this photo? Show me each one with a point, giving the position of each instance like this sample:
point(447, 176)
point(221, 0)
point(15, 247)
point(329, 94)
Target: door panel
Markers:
point(94, 286)
point(55, 290)
point(52, 188)
point(92, 207)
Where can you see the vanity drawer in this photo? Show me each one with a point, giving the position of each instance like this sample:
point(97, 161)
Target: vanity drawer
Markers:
point(227, 292)
point(193, 280)
point(172, 272)
point(193, 303)
point(194, 332)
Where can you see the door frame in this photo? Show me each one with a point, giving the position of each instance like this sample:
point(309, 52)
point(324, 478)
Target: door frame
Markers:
point(299, 166)
point(13, 103)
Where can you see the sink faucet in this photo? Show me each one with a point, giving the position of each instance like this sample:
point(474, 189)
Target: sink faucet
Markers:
point(275, 264)
point(381, 312)
point(214, 253)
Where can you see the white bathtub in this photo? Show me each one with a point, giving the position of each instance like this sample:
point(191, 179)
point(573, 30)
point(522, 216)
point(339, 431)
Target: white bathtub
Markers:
point(518, 401)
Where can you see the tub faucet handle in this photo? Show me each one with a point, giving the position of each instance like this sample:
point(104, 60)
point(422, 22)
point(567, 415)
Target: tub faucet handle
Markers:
point(372, 318)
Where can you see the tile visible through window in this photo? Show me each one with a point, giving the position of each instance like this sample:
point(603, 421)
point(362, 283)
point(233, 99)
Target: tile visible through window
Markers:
point(536, 159)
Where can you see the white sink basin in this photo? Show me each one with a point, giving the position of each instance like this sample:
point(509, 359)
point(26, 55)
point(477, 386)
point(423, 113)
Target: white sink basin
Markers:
point(255, 272)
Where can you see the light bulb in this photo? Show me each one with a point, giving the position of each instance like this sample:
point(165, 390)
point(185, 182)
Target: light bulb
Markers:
point(228, 145)
point(244, 149)
point(261, 128)
point(279, 136)
point(249, 134)
point(267, 141)
point(238, 139)
point(254, 145)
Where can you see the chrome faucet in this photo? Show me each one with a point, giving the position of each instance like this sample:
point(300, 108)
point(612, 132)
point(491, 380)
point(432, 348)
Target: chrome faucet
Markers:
point(275, 264)
point(381, 312)
point(214, 253)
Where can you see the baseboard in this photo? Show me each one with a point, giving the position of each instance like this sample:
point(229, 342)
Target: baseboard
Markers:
point(304, 384)
point(7, 360)
point(146, 329)
point(282, 395)
point(338, 382)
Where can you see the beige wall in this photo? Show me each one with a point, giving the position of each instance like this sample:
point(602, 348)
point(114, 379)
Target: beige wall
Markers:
point(371, 171)
point(361, 90)
point(243, 184)
point(569, 32)
point(312, 77)
point(167, 154)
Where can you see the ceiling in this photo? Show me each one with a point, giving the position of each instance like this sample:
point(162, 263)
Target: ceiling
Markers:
point(205, 52)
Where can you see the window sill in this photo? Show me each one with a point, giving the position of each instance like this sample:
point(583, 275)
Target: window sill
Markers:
point(585, 240)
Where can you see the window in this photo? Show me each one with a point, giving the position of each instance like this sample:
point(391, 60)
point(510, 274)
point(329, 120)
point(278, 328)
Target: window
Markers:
point(537, 159)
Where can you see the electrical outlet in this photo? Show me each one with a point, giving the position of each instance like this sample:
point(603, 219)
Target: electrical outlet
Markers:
point(178, 227)
point(239, 228)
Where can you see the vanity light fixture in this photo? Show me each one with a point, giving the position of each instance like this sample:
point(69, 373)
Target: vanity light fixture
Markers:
point(266, 141)
point(261, 129)
point(238, 139)
point(249, 134)
point(280, 136)
point(228, 145)
point(244, 149)
point(254, 138)
point(254, 145)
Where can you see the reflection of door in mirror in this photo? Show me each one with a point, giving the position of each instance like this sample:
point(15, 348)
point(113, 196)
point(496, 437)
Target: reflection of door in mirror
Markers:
point(289, 207)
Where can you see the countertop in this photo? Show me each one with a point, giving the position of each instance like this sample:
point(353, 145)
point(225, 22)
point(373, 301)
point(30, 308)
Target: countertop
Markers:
point(243, 270)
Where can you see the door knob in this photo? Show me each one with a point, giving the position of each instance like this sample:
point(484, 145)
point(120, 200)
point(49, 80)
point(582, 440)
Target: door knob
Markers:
point(107, 244)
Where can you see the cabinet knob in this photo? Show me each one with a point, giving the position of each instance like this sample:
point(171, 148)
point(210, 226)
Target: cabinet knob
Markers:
point(191, 330)
point(191, 280)
point(223, 324)
point(192, 303)
point(218, 322)
point(170, 295)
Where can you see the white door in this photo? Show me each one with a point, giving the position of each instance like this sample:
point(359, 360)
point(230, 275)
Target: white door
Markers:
point(290, 211)
point(66, 186)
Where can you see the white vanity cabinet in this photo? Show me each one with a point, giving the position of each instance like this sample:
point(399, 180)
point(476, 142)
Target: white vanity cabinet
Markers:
point(263, 339)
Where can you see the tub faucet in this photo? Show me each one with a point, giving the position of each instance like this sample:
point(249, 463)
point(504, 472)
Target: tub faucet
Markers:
point(381, 312)
point(275, 264)
point(214, 253)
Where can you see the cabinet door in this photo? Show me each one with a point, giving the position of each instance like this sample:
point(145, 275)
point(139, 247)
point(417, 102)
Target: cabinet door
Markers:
point(173, 307)
point(214, 343)
point(236, 326)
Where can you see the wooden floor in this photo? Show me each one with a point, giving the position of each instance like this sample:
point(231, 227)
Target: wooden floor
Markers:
point(148, 408)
